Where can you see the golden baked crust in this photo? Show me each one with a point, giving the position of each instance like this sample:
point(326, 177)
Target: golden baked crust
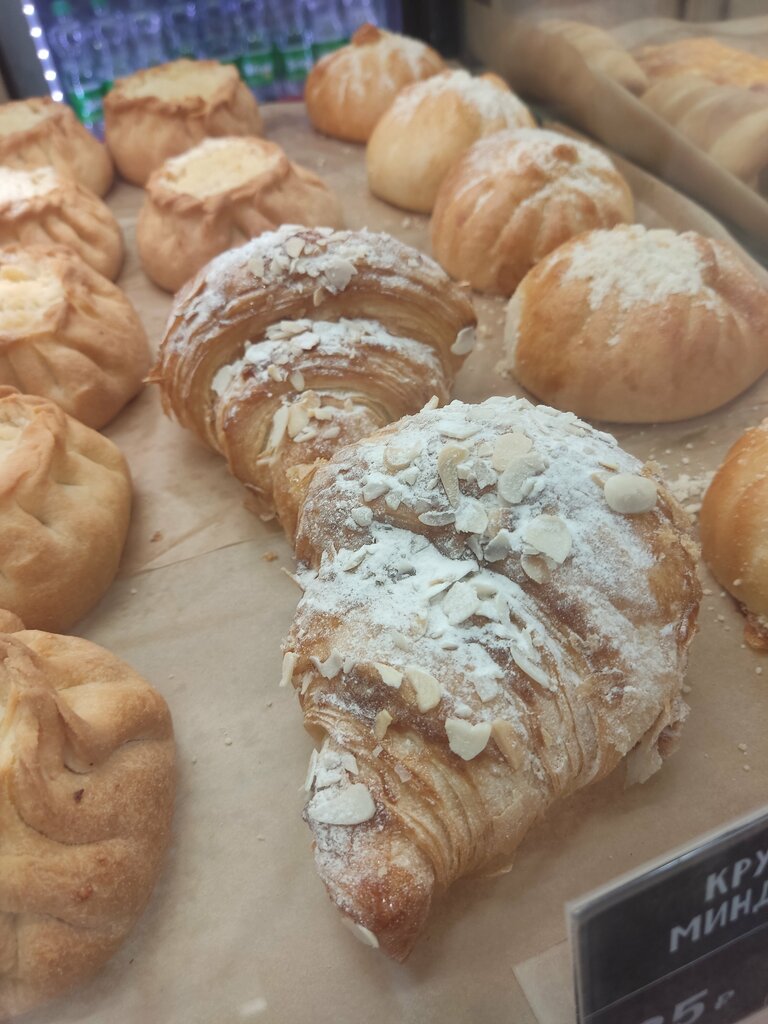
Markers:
point(490, 636)
point(86, 797)
point(706, 57)
point(39, 207)
point(517, 195)
point(163, 111)
point(37, 132)
point(429, 126)
point(638, 326)
point(734, 530)
point(65, 501)
point(348, 90)
point(68, 334)
point(217, 196)
point(601, 52)
point(303, 340)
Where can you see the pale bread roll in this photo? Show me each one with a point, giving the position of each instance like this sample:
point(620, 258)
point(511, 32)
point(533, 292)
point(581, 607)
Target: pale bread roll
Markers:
point(601, 52)
point(165, 110)
point(429, 126)
point(348, 90)
point(517, 195)
point(638, 326)
point(37, 132)
point(707, 57)
point(219, 195)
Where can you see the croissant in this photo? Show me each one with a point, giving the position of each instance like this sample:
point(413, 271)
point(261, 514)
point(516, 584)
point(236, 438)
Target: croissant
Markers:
point(303, 340)
point(87, 772)
point(498, 603)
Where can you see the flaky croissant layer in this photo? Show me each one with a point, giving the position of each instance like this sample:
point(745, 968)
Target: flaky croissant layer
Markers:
point(498, 605)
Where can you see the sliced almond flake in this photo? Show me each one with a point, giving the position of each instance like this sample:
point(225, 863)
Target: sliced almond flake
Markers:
point(377, 750)
point(400, 454)
point(362, 516)
point(294, 577)
point(457, 430)
point(536, 568)
point(465, 342)
point(498, 547)
point(432, 403)
point(339, 273)
point(465, 739)
point(401, 640)
point(256, 266)
point(428, 690)
point(275, 373)
point(516, 481)
point(532, 671)
point(323, 413)
point(296, 380)
point(486, 687)
point(392, 501)
point(294, 246)
point(437, 517)
point(298, 419)
point(630, 494)
point(330, 667)
point(349, 806)
point(389, 676)
point(374, 489)
point(306, 680)
point(402, 773)
point(317, 296)
point(381, 723)
point(410, 476)
point(509, 447)
point(462, 710)
point(471, 516)
point(349, 762)
point(550, 536)
point(307, 434)
point(361, 933)
point(222, 379)
point(450, 457)
point(474, 545)
point(311, 771)
point(460, 603)
point(484, 475)
point(508, 742)
point(289, 664)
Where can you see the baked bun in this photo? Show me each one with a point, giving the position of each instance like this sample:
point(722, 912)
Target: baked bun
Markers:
point(162, 111)
point(87, 786)
point(38, 133)
point(65, 502)
point(217, 196)
point(348, 90)
point(68, 334)
point(504, 625)
point(601, 52)
point(706, 57)
point(40, 207)
point(429, 126)
point(734, 530)
point(516, 196)
point(638, 326)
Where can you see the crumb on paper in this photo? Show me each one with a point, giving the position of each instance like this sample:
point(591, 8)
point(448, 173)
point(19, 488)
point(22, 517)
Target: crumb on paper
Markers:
point(743, 748)
point(227, 741)
point(134, 590)
point(156, 536)
point(253, 1007)
point(270, 556)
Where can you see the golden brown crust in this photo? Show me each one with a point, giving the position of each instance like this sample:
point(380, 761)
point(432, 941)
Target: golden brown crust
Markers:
point(601, 52)
point(68, 334)
point(734, 529)
point(178, 233)
point(517, 195)
point(37, 132)
point(65, 499)
point(143, 129)
point(304, 339)
point(87, 785)
point(490, 636)
point(348, 90)
point(429, 126)
point(706, 57)
point(637, 326)
point(40, 208)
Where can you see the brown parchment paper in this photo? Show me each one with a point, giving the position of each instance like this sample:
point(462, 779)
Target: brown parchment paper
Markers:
point(547, 67)
point(239, 927)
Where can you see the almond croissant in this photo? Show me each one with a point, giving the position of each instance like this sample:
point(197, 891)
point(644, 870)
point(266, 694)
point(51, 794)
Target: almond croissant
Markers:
point(498, 606)
point(303, 340)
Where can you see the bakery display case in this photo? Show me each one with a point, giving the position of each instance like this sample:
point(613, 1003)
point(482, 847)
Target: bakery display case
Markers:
point(411, 389)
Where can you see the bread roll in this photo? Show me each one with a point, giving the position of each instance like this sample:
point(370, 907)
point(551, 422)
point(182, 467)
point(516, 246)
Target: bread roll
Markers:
point(86, 797)
point(706, 57)
point(500, 627)
point(37, 132)
point(516, 196)
point(40, 207)
point(65, 501)
point(638, 326)
point(734, 530)
point(348, 90)
point(601, 52)
point(429, 126)
point(162, 111)
point(68, 334)
point(217, 196)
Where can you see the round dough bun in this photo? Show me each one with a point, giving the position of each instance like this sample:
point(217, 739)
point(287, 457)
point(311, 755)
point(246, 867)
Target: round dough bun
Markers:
point(68, 334)
point(40, 133)
point(638, 326)
point(517, 195)
point(429, 126)
point(348, 90)
point(65, 502)
point(87, 782)
point(165, 110)
point(39, 207)
point(219, 195)
point(734, 529)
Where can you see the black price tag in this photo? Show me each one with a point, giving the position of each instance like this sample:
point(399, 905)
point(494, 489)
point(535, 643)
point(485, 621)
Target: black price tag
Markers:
point(683, 942)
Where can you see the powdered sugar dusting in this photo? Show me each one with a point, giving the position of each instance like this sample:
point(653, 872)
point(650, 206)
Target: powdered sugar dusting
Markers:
point(491, 101)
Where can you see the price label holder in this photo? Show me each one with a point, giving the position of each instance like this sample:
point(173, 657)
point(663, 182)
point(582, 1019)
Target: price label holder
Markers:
point(684, 941)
